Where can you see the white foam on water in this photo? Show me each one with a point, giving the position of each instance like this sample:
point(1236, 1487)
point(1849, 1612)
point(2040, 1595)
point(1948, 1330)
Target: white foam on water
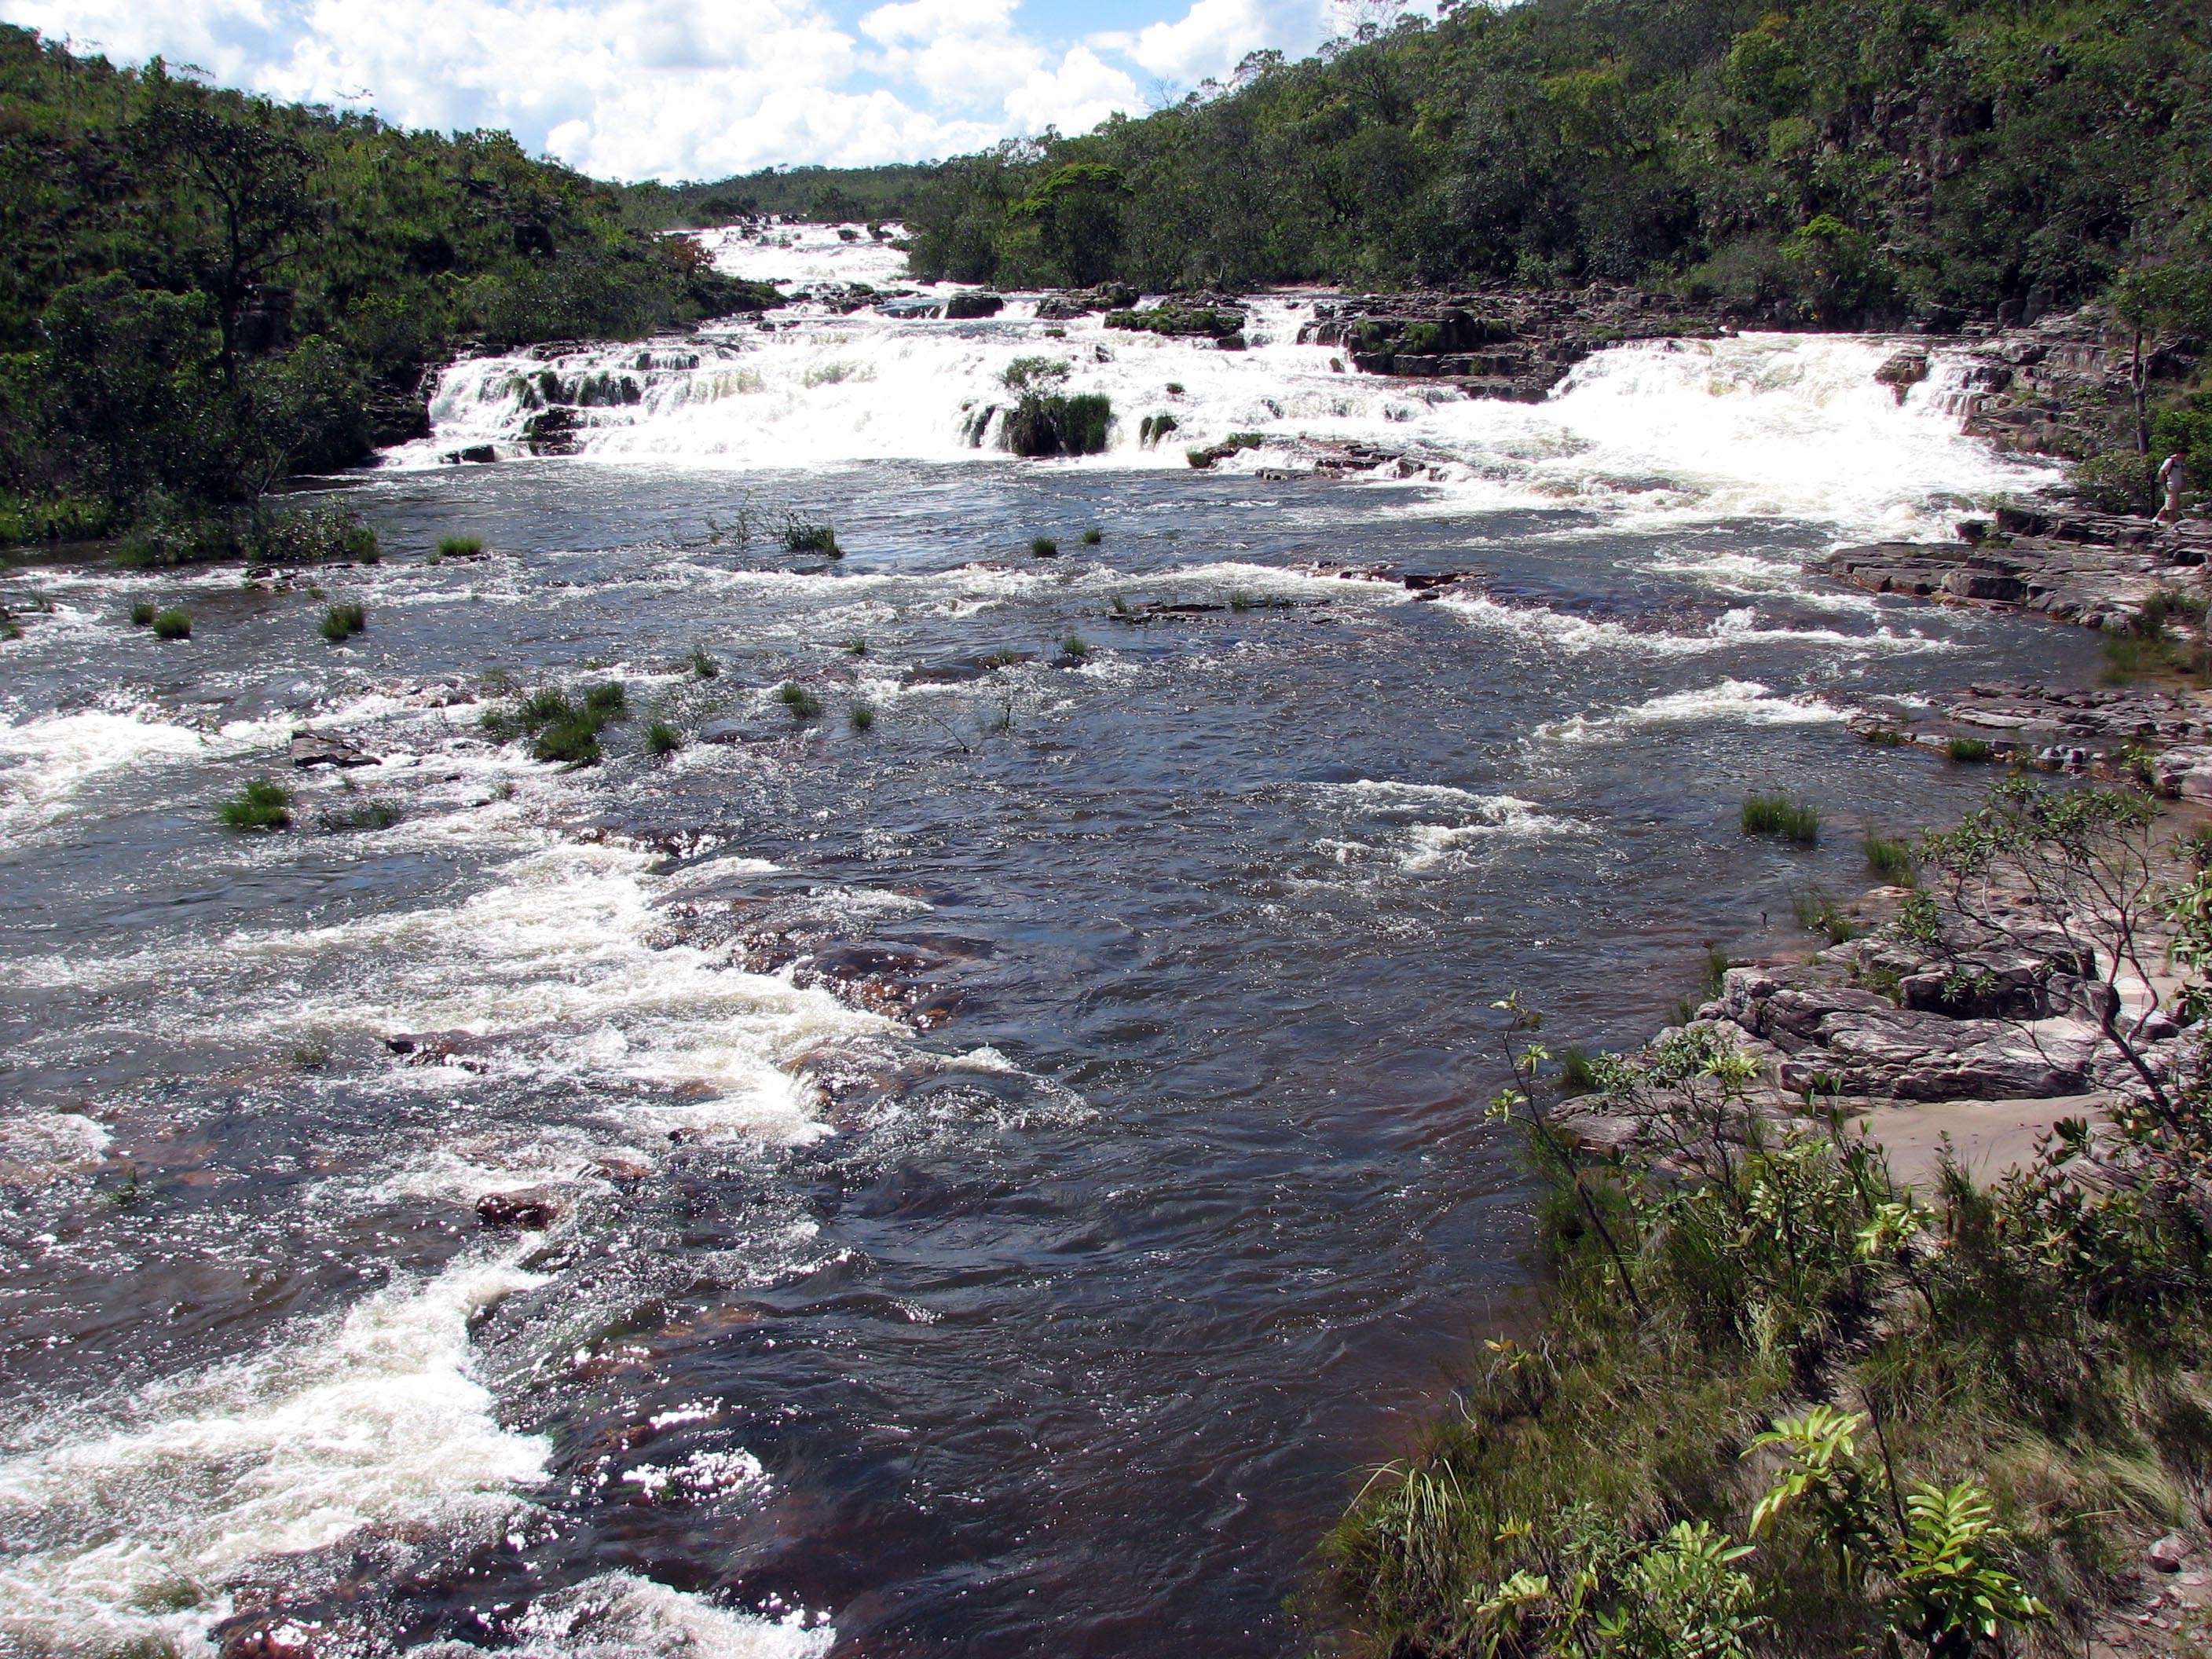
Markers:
point(130, 1529)
point(1733, 630)
point(556, 963)
point(1415, 840)
point(1744, 703)
point(1650, 434)
point(618, 1615)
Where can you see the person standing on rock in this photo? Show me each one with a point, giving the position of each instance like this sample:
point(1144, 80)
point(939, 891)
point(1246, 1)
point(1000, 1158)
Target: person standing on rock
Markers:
point(2172, 479)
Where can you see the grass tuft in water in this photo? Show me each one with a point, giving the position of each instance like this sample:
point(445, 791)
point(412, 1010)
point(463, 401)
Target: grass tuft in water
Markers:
point(1779, 816)
point(459, 547)
point(1093, 536)
point(172, 625)
point(261, 805)
point(860, 717)
point(342, 621)
point(573, 741)
point(1075, 645)
point(662, 739)
point(1967, 750)
point(803, 704)
point(143, 614)
point(369, 814)
point(1816, 913)
point(1889, 857)
point(805, 535)
point(1045, 547)
point(703, 667)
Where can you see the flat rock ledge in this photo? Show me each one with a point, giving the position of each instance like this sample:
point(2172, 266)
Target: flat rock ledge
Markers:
point(2162, 740)
point(2094, 569)
point(1879, 1023)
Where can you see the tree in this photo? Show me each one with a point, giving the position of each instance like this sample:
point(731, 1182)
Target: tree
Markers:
point(257, 178)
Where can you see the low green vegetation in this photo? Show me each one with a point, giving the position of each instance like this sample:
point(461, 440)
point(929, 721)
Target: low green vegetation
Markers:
point(856, 647)
point(1093, 536)
point(1075, 645)
point(1045, 547)
point(1889, 857)
point(560, 730)
point(261, 805)
point(1967, 750)
point(459, 547)
point(801, 703)
point(1779, 816)
point(1052, 424)
point(342, 621)
point(1817, 912)
point(861, 717)
point(702, 665)
point(662, 739)
point(143, 613)
point(802, 535)
point(1775, 1401)
point(171, 624)
point(364, 815)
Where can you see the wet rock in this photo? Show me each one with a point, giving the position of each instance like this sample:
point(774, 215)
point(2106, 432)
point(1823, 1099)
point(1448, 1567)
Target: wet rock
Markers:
point(285, 1639)
point(1903, 372)
point(311, 748)
point(530, 1209)
point(474, 454)
point(2167, 1553)
point(960, 671)
point(462, 1048)
point(963, 307)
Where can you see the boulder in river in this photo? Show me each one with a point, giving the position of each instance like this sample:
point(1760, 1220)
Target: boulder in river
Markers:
point(528, 1209)
point(313, 748)
point(966, 308)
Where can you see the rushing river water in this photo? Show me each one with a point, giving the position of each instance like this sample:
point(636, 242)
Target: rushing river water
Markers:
point(1057, 1307)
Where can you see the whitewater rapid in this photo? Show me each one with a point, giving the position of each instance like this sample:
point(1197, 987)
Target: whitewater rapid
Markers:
point(1650, 434)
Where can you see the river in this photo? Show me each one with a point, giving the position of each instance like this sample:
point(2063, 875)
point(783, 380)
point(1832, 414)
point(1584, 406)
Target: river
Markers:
point(1015, 1165)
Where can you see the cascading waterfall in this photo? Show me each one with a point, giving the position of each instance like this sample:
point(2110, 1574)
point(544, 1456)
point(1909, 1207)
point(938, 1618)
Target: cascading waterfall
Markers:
point(1783, 425)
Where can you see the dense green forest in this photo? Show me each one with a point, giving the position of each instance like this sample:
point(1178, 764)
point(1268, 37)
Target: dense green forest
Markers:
point(205, 293)
point(1836, 158)
point(830, 196)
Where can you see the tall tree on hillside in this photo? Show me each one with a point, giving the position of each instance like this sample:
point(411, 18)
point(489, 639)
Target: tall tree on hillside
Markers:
point(257, 180)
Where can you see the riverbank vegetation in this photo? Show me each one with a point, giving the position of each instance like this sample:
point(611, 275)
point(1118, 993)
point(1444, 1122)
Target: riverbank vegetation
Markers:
point(207, 293)
point(1777, 1400)
point(1833, 159)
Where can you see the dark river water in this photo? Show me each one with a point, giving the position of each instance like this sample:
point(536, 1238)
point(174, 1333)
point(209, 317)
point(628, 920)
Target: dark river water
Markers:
point(1013, 1169)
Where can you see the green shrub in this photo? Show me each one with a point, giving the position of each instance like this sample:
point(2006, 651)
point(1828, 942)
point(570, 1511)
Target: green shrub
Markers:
point(459, 547)
point(1041, 425)
point(703, 667)
point(172, 625)
point(1889, 858)
point(2122, 481)
point(606, 701)
point(1093, 536)
point(1075, 645)
point(342, 621)
point(1045, 547)
point(803, 536)
point(856, 647)
point(260, 805)
point(1817, 913)
point(143, 614)
point(860, 717)
point(662, 739)
point(1967, 750)
point(803, 704)
point(575, 741)
point(313, 535)
point(1778, 815)
point(369, 814)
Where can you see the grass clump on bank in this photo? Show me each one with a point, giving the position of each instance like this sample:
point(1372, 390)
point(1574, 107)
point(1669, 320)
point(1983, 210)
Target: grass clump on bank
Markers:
point(261, 805)
point(342, 621)
point(171, 624)
point(1967, 751)
point(1779, 816)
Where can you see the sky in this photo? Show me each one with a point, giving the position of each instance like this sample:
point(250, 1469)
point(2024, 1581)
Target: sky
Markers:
point(704, 88)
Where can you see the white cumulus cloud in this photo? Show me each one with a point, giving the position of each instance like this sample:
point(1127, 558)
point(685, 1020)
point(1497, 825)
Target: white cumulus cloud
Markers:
point(692, 88)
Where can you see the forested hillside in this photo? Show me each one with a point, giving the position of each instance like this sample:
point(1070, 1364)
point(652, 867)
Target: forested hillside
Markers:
point(204, 293)
point(1834, 159)
point(832, 195)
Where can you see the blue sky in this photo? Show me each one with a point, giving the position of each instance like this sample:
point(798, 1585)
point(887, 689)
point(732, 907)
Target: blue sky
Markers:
point(702, 88)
